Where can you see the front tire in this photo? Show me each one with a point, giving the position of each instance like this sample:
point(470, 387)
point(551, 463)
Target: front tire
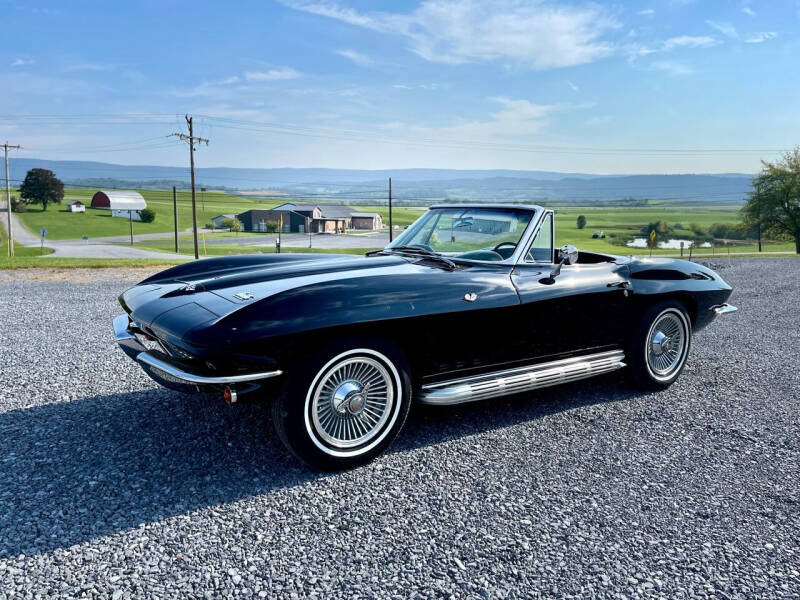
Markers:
point(660, 345)
point(345, 405)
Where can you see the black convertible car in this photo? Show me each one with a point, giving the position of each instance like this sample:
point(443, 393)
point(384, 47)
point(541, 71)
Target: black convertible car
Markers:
point(468, 303)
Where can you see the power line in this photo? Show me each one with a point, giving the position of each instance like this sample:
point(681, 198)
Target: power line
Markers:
point(379, 137)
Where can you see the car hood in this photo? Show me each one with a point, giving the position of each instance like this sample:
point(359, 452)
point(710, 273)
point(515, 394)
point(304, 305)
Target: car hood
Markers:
point(184, 299)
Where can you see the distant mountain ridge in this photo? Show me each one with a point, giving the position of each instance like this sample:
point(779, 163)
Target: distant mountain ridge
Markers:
point(411, 185)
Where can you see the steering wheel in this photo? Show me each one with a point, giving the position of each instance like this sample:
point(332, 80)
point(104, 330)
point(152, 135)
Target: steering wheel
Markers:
point(512, 245)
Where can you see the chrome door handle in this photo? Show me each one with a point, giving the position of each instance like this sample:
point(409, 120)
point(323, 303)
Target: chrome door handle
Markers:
point(619, 284)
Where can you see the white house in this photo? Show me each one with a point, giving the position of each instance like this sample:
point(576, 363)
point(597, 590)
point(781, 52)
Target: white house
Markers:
point(121, 203)
point(76, 206)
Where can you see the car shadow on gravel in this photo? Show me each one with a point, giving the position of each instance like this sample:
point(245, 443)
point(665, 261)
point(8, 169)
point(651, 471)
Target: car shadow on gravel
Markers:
point(74, 471)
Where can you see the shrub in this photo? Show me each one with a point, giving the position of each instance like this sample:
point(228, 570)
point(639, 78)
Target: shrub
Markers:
point(698, 230)
point(234, 224)
point(147, 215)
point(18, 206)
point(272, 226)
point(581, 222)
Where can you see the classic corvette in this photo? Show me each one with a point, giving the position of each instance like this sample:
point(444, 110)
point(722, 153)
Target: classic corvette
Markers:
point(468, 303)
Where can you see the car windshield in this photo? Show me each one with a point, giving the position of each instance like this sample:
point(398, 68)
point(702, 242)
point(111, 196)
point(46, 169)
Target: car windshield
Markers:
point(466, 232)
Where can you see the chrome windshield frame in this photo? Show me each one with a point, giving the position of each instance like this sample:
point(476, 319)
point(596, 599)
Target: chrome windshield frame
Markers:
point(524, 239)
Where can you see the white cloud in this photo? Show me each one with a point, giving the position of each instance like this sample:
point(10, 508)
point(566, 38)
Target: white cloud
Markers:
point(362, 60)
point(573, 87)
point(417, 86)
point(762, 36)
point(748, 11)
point(514, 119)
point(95, 67)
point(540, 34)
point(280, 74)
point(689, 41)
point(672, 67)
point(647, 12)
point(750, 38)
point(725, 28)
point(21, 62)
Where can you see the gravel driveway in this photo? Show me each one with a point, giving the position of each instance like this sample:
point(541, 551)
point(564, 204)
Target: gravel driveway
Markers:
point(112, 487)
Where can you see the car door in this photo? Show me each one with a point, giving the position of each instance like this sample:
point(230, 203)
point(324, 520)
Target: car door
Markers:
point(582, 309)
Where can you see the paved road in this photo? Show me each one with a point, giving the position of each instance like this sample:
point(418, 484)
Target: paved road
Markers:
point(77, 248)
point(111, 487)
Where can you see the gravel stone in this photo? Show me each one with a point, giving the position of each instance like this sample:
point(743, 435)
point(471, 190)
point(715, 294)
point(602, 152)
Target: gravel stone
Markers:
point(111, 487)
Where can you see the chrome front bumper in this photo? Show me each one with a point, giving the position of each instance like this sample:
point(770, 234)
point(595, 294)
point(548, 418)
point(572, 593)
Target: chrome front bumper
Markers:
point(723, 309)
point(166, 373)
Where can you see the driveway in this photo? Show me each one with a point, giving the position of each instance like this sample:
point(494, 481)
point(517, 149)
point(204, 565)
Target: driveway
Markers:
point(113, 487)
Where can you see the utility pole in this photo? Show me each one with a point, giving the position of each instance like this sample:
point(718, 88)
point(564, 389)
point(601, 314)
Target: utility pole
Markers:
point(130, 218)
point(280, 228)
point(8, 200)
point(175, 215)
point(192, 140)
point(391, 234)
point(759, 236)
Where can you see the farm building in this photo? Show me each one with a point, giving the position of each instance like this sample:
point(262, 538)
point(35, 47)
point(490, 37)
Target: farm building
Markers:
point(76, 206)
point(218, 220)
point(121, 203)
point(318, 218)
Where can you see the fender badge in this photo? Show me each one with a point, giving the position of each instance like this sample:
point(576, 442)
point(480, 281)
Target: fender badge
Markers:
point(471, 297)
point(243, 296)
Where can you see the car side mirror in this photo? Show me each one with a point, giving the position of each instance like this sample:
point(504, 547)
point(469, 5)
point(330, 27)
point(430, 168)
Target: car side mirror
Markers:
point(567, 255)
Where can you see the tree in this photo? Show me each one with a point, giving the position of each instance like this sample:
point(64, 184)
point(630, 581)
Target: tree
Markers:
point(234, 224)
point(581, 222)
point(147, 215)
point(41, 186)
point(774, 204)
point(662, 229)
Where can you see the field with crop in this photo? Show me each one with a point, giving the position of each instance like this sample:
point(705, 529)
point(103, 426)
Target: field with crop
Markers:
point(618, 224)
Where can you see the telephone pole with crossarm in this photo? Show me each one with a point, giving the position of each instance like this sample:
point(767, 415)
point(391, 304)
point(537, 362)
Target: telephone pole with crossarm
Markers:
point(192, 141)
point(6, 148)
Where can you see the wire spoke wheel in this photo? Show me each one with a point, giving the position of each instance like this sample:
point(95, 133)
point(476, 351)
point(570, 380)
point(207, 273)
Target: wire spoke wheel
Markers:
point(352, 402)
point(667, 344)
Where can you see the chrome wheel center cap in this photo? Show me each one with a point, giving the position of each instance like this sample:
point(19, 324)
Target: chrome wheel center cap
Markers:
point(356, 404)
point(661, 343)
point(348, 398)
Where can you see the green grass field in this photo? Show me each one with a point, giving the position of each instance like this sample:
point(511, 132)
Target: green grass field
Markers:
point(618, 223)
point(62, 225)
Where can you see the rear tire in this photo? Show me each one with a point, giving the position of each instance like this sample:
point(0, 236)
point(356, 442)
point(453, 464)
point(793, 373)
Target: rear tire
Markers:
point(345, 405)
point(660, 346)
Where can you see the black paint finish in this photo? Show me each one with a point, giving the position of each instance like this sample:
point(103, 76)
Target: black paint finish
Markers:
point(519, 315)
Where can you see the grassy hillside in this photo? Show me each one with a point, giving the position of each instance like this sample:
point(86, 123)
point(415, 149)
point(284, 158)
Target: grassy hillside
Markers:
point(61, 224)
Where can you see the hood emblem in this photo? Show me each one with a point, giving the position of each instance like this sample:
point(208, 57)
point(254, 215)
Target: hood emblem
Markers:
point(189, 287)
point(244, 296)
point(471, 297)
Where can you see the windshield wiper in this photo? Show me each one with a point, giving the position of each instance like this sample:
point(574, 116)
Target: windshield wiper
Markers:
point(418, 251)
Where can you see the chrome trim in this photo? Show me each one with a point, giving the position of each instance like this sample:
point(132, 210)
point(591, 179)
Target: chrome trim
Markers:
point(127, 341)
point(521, 379)
point(125, 338)
point(723, 309)
point(532, 238)
point(173, 371)
point(530, 228)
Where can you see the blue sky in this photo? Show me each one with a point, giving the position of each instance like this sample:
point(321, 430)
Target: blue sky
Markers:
point(638, 87)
